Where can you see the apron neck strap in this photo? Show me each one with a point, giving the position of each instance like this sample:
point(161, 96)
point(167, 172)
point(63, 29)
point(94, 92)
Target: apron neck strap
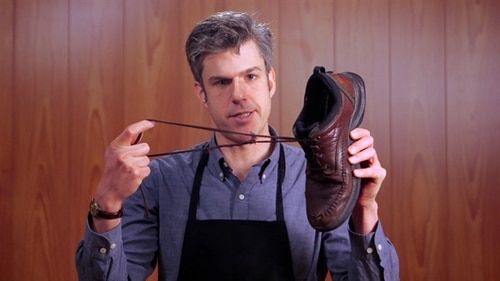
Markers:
point(279, 184)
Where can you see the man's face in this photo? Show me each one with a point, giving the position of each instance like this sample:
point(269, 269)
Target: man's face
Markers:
point(237, 92)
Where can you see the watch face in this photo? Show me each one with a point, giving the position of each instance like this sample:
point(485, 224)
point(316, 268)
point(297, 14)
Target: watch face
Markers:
point(94, 209)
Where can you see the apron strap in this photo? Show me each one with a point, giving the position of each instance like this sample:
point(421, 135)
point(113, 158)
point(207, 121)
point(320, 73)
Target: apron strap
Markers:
point(195, 192)
point(279, 184)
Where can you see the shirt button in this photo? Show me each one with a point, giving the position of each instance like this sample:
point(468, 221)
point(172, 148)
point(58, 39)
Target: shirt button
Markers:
point(103, 250)
point(379, 247)
point(369, 250)
point(241, 196)
point(112, 246)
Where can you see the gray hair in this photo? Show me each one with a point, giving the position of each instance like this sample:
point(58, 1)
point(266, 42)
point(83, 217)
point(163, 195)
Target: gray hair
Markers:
point(226, 30)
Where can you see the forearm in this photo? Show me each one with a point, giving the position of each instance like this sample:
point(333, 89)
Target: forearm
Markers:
point(365, 217)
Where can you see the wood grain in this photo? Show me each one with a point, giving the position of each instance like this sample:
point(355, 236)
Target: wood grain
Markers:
point(41, 166)
point(74, 73)
point(418, 137)
point(473, 122)
point(96, 98)
point(7, 141)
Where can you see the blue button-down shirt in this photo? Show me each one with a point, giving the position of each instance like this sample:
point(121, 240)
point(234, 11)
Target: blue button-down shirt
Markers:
point(144, 238)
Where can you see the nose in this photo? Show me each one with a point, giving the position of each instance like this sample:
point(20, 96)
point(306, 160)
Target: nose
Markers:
point(238, 91)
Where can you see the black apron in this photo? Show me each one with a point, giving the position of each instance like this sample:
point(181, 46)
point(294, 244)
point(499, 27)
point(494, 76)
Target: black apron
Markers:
point(240, 250)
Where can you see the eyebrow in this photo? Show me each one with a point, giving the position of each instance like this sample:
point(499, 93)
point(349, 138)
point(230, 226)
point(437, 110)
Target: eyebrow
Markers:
point(246, 71)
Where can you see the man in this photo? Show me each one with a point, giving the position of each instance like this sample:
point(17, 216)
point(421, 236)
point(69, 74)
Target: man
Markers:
point(236, 212)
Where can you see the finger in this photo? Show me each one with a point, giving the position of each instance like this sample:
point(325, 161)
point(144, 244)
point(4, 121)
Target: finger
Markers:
point(358, 133)
point(131, 134)
point(375, 173)
point(132, 168)
point(364, 155)
point(137, 150)
point(138, 139)
point(361, 144)
point(142, 161)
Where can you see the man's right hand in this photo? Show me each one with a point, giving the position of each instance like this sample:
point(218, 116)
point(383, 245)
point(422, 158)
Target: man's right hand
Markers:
point(125, 166)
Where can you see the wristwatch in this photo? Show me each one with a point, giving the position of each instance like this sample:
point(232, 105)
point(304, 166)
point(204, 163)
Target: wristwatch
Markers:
point(96, 211)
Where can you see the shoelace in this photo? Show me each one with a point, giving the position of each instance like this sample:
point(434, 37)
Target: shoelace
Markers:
point(254, 138)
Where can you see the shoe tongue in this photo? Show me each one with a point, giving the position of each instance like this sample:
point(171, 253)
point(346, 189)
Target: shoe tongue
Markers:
point(304, 132)
point(312, 129)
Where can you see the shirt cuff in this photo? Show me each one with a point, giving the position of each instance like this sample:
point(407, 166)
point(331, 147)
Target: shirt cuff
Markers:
point(101, 246)
point(364, 246)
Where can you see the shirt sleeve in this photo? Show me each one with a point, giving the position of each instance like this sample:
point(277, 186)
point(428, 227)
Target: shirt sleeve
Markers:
point(100, 256)
point(352, 256)
point(127, 252)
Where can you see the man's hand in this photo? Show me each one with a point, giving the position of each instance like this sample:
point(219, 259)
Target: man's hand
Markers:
point(125, 166)
point(372, 174)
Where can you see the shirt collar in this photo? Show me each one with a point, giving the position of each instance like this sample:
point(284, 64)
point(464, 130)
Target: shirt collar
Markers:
point(218, 165)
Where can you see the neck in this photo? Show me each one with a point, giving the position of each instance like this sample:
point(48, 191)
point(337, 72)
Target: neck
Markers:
point(242, 158)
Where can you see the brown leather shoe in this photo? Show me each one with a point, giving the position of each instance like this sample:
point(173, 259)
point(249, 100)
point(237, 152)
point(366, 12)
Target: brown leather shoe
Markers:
point(334, 104)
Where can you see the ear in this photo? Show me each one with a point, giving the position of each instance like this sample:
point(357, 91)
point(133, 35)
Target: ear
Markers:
point(271, 77)
point(200, 93)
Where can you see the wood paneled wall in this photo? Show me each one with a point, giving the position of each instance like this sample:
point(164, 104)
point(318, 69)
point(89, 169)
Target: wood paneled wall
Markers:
point(74, 73)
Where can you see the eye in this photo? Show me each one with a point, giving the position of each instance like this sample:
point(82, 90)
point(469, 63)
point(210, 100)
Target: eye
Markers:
point(252, 76)
point(222, 82)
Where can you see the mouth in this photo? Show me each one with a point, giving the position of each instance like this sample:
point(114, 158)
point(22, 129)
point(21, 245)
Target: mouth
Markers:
point(241, 115)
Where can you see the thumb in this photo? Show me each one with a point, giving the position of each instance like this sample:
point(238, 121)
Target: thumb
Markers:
point(133, 133)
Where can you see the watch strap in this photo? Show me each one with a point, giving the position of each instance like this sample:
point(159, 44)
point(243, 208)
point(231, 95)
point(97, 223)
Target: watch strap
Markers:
point(96, 211)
